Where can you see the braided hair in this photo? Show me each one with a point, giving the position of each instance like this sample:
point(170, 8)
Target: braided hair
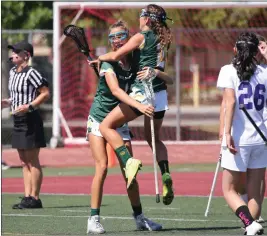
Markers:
point(245, 61)
point(158, 19)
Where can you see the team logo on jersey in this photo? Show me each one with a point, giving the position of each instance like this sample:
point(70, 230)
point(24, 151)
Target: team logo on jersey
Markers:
point(137, 95)
point(125, 77)
point(122, 153)
point(89, 123)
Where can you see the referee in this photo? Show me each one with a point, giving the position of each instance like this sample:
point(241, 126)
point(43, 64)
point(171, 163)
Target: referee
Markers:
point(28, 89)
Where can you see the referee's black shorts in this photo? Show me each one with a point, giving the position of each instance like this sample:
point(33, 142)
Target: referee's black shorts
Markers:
point(28, 131)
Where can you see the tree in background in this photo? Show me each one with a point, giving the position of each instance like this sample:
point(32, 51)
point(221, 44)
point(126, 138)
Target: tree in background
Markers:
point(22, 15)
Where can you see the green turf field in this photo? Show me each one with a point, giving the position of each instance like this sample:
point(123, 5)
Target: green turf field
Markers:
point(85, 171)
point(67, 215)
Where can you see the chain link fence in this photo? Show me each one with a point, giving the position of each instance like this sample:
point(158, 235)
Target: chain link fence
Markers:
point(197, 54)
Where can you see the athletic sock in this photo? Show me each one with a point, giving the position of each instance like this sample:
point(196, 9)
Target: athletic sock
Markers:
point(243, 213)
point(137, 210)
point(164, 166)
point(95, 211)
point(123, 153)
point(244, 197)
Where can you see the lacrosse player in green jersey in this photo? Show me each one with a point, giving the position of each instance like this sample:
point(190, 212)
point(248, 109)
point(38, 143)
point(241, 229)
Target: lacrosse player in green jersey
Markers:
point(151, 42)
point(115, 79)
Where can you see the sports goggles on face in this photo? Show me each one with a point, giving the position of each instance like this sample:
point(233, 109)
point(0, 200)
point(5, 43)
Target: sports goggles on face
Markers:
point(121, 35)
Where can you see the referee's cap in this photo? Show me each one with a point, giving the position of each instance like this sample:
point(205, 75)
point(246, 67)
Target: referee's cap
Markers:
point(22, 46)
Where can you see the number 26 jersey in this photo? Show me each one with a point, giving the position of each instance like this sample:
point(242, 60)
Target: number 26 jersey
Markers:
point(253, 95)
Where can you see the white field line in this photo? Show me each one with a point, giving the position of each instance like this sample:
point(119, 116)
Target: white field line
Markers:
point(118, 218)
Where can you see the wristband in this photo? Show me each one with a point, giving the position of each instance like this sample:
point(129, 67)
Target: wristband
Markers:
point(31, 108)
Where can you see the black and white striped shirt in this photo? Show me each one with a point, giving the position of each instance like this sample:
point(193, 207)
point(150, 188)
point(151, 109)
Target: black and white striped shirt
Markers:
point(23, 86)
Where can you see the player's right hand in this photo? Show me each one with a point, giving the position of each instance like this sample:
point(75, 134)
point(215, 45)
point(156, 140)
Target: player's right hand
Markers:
point(94, 63)
point(147, 73)
point(147, 110)
point(5, 103)
point(230, 144)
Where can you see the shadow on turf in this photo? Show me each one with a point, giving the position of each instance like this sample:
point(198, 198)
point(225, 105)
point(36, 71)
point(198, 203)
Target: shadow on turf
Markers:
point(201, 228)
point(62, 207)
point(20, 167)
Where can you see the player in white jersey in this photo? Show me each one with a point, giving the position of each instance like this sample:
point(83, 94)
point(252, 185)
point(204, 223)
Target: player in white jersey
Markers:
point(263, 52)
point(242, 187)
point(243, 150)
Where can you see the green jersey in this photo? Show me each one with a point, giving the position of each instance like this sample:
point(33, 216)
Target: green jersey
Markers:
point(151, 55)
point(104, 101)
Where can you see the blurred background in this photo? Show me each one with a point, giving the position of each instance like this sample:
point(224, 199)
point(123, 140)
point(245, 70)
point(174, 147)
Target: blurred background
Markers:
point(202, 43)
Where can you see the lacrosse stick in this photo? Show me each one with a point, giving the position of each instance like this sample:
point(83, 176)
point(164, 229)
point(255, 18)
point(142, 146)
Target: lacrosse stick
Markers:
point(147, 82)
point(78, 36)
point(213, 184)
point(242, 107)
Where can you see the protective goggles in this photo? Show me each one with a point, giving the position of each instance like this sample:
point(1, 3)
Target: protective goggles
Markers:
point(121, 35)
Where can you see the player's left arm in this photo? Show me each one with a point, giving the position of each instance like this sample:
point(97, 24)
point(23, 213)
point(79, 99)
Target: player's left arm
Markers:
point(230, 103)
point(133, 43)
point(116, 91)
point(222, 117)
point(164, 76)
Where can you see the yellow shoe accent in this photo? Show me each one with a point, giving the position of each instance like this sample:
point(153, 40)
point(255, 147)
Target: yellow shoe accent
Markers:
point(167, 191)
point(131, 169)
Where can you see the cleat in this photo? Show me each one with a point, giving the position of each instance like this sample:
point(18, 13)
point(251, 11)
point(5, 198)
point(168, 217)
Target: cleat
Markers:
point(28, 202)
point(142, 223)
point(94, 226)
point(131, 169)
point(35, 203)
point(25, 202)
point(167, 192)
point(254, 229)
point(5, 166)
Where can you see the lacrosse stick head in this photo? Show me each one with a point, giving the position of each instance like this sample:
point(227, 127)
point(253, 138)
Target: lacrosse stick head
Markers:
point(150, 74)
point(78, 35)
point(149, 91)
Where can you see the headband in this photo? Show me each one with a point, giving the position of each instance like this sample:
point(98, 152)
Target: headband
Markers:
point(245, 42)
point(161, 17)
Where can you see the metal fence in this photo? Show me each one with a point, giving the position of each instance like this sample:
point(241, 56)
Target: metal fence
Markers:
point(194, 60)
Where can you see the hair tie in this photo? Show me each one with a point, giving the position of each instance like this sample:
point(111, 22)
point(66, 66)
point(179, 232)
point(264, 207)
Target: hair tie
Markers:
point(170, 20)
point(164, 18)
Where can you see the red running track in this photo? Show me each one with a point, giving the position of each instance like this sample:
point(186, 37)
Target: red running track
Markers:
point(187, 184)
point(82, 156)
